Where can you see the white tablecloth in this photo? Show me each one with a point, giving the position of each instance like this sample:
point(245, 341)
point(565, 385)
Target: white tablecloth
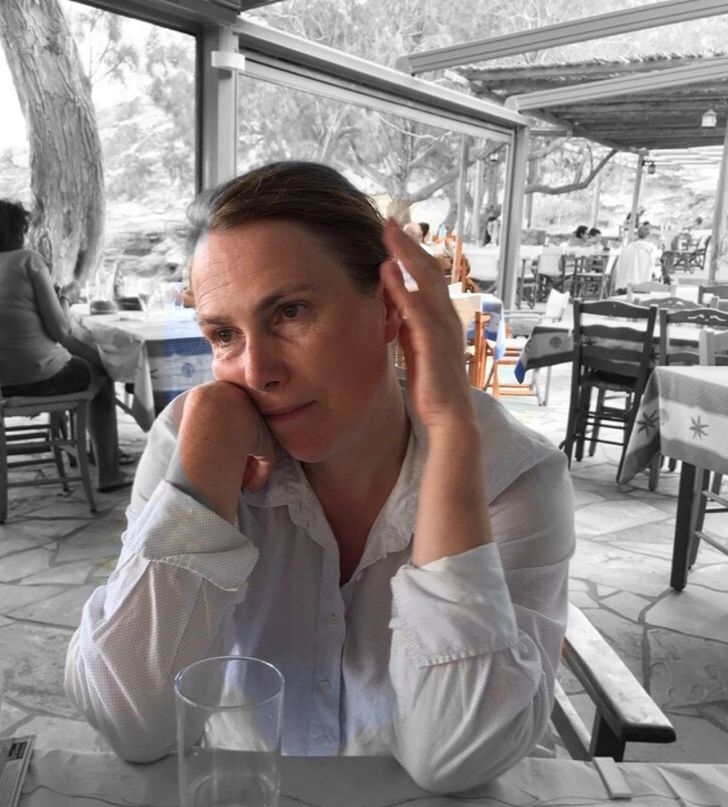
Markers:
point(59, 778)
point(161, 352)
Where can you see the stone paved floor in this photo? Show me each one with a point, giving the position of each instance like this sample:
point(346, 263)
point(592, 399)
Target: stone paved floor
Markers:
point(53, 553)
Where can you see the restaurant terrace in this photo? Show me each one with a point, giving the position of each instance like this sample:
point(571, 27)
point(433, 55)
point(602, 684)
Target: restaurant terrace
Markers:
point(624, 373)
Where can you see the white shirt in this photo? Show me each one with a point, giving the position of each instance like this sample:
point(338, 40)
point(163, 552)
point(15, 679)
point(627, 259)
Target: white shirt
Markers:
point(635, 263)
point(449, 667)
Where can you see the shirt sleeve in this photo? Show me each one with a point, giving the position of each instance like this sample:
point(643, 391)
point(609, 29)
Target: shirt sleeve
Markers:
point(181, 570)
point(477, 638)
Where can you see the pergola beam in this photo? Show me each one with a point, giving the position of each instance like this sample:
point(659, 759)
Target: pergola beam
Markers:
point(560, 34)
point(263, 44)
point(187, 16)
point(702, 71)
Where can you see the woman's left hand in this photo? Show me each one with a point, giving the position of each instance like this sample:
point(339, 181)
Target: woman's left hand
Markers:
point(431, 334)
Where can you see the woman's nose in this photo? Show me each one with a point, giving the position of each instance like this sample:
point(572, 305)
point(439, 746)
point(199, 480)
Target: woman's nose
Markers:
point(263, 366)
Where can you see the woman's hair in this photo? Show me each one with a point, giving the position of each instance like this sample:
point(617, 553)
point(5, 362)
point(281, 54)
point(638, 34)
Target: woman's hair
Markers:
point(344, 219)
point(14, 220)
point(425, 228)
point(595, 231)
point(581, 231)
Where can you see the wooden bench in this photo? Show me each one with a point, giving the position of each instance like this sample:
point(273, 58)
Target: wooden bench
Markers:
point(625, 712)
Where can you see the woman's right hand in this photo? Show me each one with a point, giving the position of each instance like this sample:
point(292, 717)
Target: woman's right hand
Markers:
point(224, 445)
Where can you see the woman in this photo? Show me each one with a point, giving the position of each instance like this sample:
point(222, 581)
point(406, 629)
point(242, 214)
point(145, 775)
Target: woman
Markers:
point(580, 237)
point(400, 554)
point(34, 323)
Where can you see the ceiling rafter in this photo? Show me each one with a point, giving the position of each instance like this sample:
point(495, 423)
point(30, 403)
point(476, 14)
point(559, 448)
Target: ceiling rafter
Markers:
point(584, 29)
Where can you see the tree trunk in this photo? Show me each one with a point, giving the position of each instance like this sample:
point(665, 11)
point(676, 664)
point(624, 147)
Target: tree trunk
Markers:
point(67, 184)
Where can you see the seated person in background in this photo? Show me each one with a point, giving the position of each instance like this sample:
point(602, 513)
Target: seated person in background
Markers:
point(636, 261)
point(580, 237)
point(594, 236)
point(34, 323)
point(399, 550)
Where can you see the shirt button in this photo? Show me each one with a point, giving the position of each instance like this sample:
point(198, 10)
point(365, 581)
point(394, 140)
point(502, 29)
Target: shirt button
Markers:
point(333, 619)
point(324, 685)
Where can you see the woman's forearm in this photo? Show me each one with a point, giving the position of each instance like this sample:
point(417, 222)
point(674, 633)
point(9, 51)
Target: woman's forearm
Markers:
point(452, 515)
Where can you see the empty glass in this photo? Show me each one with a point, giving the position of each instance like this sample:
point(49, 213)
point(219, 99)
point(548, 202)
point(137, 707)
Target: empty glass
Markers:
point(228, 732)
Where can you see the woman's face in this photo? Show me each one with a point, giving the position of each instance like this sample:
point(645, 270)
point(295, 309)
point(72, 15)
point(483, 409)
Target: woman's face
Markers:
point(287, 325)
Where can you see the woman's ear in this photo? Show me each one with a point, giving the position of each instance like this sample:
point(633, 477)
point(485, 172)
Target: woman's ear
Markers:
point(393, 317)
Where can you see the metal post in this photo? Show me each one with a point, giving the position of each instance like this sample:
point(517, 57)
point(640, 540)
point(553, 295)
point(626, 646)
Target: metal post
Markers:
point(636, 198)
point(530, 176)
point(462, 184)
point(513, 216)
point(218, 130)
point(719, 214)
point(479, 168)
point(596, 200)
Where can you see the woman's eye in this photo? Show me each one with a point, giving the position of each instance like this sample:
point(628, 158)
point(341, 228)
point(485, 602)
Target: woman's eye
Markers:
point(224, 336)
point(291, 311)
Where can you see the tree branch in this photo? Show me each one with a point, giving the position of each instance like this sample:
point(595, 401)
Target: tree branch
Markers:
point(574, 186)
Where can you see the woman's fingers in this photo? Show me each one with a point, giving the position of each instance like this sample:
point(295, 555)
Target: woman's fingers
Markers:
point(420, 264)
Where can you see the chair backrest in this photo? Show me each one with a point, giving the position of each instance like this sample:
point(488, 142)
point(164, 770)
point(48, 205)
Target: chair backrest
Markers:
point(713, 346)
point(647, 286)
point(550, 261)
point(614, 337)
point(687, 292)
point(483, 262)
point(681, 347)
point(669, 302)
point(556, 304)
point(466, 305)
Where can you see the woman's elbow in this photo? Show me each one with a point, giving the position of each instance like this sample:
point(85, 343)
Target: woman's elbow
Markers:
point(441, 767)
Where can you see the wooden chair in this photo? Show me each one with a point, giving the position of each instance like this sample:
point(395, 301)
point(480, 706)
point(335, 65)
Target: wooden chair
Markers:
point(522, 323)
point(64, 432)
point(717, 290)
point(624, 711)
point(647, 286)
point(676, 350)
point(512, 352)
point(475, 354)
point(712, 347)
point(611, 353)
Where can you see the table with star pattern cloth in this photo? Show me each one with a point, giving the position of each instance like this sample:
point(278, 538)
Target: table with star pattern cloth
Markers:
point(684, 415)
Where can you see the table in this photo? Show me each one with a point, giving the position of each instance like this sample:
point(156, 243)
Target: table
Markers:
point(161, 352)
point(683, 415)
point(59, 778)
point(548, 344)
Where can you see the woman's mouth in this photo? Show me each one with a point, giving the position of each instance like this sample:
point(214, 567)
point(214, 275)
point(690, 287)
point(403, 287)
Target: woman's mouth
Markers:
point(284, 415)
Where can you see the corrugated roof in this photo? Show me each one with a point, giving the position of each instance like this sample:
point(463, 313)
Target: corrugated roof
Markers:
point(659, 119)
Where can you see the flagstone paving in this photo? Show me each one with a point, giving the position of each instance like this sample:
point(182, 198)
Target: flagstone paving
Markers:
point(53, 552)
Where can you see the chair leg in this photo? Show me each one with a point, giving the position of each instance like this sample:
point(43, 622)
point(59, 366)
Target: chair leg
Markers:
point(58, 429)
point(545, 401)
point(582, 421)
point(654, 479)
point(82, 453)
point(3, 472)
point(597, 423)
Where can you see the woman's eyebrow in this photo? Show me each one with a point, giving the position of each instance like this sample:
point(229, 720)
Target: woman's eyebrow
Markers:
point(269, 301)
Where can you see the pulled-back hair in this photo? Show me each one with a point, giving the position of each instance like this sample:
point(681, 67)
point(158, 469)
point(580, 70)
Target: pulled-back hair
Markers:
point(14, 220)
point(345, 220)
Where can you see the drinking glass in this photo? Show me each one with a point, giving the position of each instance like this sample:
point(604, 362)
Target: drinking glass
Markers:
point(228, 732)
